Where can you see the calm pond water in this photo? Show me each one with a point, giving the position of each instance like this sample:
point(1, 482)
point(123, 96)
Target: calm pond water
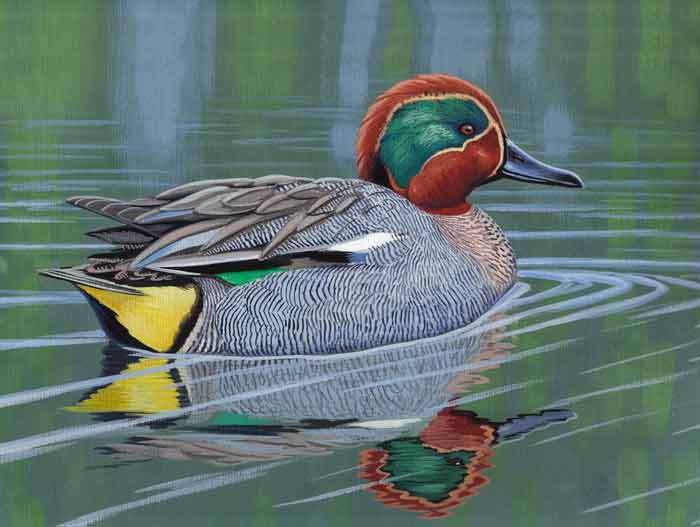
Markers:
point(575, 403)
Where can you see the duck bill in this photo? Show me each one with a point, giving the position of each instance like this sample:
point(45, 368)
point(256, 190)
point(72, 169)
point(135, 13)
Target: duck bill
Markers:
point(521, 166)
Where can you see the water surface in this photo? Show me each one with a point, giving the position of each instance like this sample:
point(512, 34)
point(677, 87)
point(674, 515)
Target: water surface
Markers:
point(574, 402)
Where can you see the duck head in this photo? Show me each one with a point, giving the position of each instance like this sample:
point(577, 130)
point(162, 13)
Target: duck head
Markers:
point(435, 138)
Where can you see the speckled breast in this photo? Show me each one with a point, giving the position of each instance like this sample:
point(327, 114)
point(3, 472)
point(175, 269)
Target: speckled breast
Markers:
point(478, 236)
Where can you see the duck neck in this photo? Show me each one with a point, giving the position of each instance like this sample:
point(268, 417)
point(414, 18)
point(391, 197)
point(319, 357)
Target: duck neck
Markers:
point(476, 236)
point(456, 210)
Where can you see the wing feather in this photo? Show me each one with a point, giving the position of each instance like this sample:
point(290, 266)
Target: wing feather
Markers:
point(188, 237)
point(193, 201)
point(248, 219)
point(122, 236)
point(236, 227)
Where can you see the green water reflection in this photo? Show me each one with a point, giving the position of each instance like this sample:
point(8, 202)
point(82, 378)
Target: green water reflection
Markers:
point(126, 97)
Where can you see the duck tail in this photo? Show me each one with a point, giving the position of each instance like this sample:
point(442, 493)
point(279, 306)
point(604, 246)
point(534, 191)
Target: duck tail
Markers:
point(157, 317)
point(78, 277)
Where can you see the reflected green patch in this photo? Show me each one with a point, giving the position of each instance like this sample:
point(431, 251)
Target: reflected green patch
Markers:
point(433, 474)
point(233, 419)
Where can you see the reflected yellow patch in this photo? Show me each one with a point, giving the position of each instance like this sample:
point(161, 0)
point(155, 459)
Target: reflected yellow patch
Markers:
point(147, 394)
point(153, 318)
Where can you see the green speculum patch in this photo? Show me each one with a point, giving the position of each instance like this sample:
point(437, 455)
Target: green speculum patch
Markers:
point(433, 475)
point(421, 129)
point(234, 419)
point(244, 277)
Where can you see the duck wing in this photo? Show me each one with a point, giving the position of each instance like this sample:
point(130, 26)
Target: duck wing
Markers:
point(238, 223)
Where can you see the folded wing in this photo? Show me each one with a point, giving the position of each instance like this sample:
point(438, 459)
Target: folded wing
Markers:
point(214, 223)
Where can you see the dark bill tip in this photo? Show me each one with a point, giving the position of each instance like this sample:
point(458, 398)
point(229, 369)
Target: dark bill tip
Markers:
point(521, 166)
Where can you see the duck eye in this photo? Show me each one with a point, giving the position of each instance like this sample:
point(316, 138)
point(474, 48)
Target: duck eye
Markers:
point(466, 129)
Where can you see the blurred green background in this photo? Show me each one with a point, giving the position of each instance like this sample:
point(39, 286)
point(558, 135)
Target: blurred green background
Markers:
point(127, 97)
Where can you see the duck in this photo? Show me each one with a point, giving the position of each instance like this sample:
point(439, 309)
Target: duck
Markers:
point(280, 266)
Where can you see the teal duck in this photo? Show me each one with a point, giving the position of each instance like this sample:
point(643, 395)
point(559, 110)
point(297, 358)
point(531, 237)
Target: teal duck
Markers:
point(280, 265)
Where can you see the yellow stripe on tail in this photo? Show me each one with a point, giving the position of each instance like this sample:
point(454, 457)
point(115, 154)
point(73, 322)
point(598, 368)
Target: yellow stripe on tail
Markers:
point(153, 318)
point(148, 394)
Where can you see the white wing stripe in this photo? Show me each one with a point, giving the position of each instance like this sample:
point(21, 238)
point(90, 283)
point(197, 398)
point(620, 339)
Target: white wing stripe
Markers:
point(365, 243)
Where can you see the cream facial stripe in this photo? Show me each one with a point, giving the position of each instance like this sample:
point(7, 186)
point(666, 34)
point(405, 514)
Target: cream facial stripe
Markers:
point(492, 125)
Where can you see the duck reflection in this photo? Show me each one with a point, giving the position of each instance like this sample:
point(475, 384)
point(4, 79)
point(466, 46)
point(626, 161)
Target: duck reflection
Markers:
point(428, 453)
point(440, 467)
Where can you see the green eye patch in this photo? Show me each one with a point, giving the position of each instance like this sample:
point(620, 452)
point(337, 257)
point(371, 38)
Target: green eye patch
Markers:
point(421, 129)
